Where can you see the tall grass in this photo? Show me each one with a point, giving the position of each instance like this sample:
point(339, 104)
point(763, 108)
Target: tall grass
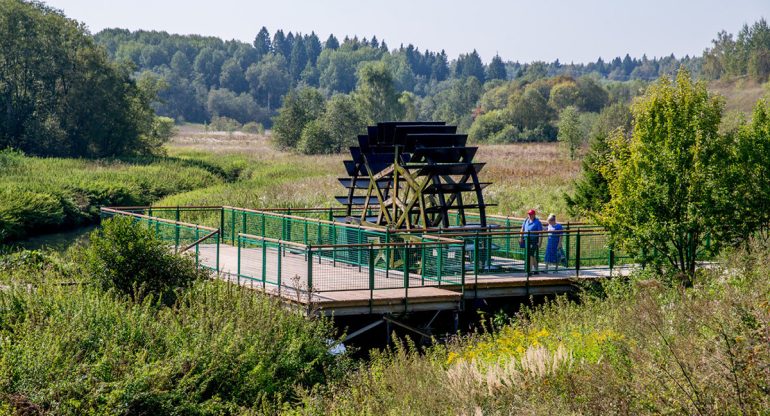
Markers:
point(44, 194)
point(74, 349)
point(524, 176)
point(634, 347)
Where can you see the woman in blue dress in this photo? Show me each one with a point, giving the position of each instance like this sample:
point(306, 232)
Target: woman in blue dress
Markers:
point(554, 254)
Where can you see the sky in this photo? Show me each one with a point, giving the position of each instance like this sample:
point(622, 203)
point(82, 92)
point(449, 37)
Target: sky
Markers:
point(524, 31)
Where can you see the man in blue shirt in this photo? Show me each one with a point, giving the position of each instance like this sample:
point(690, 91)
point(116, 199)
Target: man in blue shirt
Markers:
point(532, 228)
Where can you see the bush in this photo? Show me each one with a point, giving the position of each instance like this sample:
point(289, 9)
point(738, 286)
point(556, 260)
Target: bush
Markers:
point(316, 139)
point(130, 259)
point(253, 128)
point(74, 349)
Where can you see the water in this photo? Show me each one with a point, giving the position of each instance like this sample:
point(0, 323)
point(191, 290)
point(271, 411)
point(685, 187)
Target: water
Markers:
point(59, 242)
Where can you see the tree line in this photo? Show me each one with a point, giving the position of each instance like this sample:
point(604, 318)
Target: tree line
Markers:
point(204, 77)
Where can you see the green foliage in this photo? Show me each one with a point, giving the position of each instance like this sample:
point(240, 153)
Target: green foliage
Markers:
point(496, 69)
point(344, 120)
point(748, 54)
point(74, 102)
point(316, 139)
point(74, 349)
point(299, 108)
point(591, 191)
point(376, 94)
point(570, 130)
point(633, 346)
point(751, 173)
point(223, 124)
point(667, 183)
point(253, 128)
point(563, 95)
point(46, 194)
point(130, 259)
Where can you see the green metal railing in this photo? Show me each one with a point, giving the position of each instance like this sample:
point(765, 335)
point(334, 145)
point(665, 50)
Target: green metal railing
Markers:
point(304, 251)
point(351, 267)
point(183, 237)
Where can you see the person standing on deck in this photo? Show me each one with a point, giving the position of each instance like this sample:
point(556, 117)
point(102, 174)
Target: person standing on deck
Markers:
point(532, 228)
point(554, 253)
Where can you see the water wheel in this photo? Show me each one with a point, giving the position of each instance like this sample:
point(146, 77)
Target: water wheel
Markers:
point(407, 175)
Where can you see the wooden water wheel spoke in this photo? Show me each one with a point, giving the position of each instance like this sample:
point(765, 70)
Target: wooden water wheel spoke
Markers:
point(416, 172)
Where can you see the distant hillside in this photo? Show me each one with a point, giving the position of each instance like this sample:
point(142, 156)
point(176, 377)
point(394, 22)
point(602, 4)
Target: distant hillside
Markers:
point(740, 94)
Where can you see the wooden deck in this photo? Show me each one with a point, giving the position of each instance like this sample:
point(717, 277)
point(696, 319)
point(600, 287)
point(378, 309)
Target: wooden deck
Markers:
point(343, 289)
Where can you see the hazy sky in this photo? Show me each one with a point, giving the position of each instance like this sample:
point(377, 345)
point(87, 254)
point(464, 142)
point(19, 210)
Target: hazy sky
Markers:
point(578, 31)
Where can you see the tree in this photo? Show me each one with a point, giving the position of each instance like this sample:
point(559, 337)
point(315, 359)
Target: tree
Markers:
point(496, 69)
point(300, 107)
point(59, 93)
point(667, 182)
point(269, 80)
point(232, 77)
point(470, 65)
point(570, 130)
point(262, 43)
point(376, 94)
point(117, 258)
point(316, 139)
point(591, 189)
point(751, 176)
point(564, 94)
point(344, 121)
point(331, 43)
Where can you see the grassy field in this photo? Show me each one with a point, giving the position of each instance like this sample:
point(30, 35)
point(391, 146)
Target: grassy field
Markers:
point(524, 176)
point(46, 194)
point(40, 195)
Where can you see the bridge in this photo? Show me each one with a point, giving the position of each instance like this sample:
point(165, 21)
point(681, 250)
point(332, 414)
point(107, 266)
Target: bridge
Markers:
point(308, 259)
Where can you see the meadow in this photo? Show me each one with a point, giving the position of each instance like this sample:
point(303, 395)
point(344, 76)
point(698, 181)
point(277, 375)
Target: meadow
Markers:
point(524, 176)
point(39, 195)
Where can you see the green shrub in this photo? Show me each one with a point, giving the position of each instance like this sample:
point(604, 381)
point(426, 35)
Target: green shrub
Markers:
point(130, 259)
point(253, 128)
point(74, 349)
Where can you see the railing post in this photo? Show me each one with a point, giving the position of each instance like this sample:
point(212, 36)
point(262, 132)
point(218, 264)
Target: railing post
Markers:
point(243, 222)
point(264, 264)
point(279, 268)
point(232, 225)
point(507, 236)
point(406, 276)
point(304, 239)
point(462, 268)
point(334, 242)
point(371, 274)
point(221, 221)
point(567, 245)
point(440, 262)
point(476, 255)
point(197, 248)
point(577, 253)
point(238, 275)
point(422, 264)
point(219, 237)
point(176, 232)
point(612, 259)
point(527, 265)
point(309, 272)
point(360, 252)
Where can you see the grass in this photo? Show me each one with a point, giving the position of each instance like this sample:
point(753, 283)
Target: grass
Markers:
point(633, 347)
point(67, 347)
point(524, 176)
point(45, 194)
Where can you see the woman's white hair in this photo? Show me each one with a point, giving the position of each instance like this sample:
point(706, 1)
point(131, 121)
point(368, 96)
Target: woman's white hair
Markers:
point(551, 217)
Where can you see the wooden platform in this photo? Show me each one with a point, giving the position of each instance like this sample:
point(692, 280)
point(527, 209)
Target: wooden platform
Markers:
point(343, 289)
